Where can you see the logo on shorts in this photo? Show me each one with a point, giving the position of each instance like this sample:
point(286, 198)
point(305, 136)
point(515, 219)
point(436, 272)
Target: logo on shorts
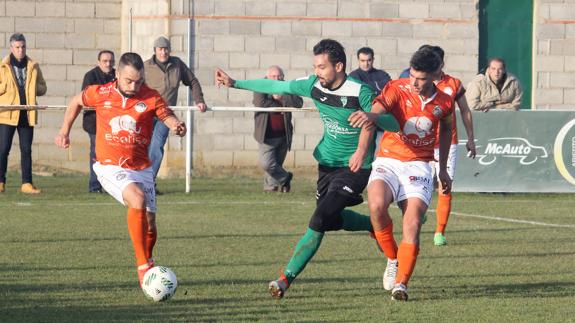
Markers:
point(347, 189)
point(380, 170)
point(140, 107)
point(120, 176)
point(420, 179)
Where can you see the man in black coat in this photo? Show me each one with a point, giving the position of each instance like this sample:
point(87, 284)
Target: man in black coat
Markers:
point(101, 74)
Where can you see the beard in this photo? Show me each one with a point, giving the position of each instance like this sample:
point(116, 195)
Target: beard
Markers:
point(126, 95)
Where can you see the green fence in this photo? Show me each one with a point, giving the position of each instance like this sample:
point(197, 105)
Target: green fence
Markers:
point(524, 151)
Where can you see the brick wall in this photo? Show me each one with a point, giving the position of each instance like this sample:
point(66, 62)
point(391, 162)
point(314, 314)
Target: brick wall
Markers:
point(555, 58)
point(246, 36)
point(65, 38)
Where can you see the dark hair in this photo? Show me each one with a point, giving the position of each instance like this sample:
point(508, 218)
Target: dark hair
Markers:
point(17, 37)
point(436, 49)
point(425, 60)
point(334, 50)
point(105, 51)
point(131, 59)
point(366, 51)
point(497, 59)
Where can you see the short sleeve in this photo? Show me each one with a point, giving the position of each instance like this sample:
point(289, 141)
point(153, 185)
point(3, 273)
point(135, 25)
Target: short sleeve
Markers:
point(366, 96)
point(388, 97)
point(89, 96)
point(162, 110)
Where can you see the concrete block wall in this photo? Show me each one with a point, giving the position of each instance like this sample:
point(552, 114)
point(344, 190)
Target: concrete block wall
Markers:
point(555, 55)
point(65, 38)
point(246, 36)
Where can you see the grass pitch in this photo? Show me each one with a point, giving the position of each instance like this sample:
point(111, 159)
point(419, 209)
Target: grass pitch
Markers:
point(66, 257)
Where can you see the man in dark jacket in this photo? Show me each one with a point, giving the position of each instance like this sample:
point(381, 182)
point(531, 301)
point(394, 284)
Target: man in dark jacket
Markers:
point(368, 74)
point(164, 73)
point(101, 74)
point(273, 131)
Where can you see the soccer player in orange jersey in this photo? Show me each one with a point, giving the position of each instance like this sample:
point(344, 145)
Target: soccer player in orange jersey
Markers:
point(452, 87)
point(125, 111)
point(401, 171)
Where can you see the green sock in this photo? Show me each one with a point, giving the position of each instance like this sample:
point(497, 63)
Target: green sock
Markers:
point(353, 221)
point(304, 251)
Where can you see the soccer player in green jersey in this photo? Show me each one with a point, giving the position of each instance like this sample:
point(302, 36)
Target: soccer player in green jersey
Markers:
point(343, 168)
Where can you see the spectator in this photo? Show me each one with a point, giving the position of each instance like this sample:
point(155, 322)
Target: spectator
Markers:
point(99, 75)
point(496, 89)
point(273, 132)
point(366, 73)
point(164, 74)
point(20, 82)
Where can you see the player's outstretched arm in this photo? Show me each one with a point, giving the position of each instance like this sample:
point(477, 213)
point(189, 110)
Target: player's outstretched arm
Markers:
point(62, 140)
point(262, 85)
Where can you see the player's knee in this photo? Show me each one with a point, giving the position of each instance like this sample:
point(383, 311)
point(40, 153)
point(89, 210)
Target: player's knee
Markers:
point(135, 197)
point(377, 207)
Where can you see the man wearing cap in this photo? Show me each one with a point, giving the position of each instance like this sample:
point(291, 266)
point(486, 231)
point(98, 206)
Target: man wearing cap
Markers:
point(164, 74)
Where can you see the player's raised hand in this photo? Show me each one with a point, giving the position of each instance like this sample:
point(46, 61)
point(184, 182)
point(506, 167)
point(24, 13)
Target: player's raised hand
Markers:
point(62, 141)
point(223, 79)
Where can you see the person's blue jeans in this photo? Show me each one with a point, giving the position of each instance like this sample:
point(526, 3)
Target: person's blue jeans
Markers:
point(156, 149)
point(93, 185)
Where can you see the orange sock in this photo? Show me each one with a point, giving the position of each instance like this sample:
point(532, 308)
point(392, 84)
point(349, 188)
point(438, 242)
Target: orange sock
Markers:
point(138, 227)
point(406, 256)
point(386, 241)
point(443, 211)
point(151, 237)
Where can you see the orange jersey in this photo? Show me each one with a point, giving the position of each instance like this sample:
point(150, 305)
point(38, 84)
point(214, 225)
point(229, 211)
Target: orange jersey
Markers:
point(452, 87)
point(124, 126)
point(418, 121)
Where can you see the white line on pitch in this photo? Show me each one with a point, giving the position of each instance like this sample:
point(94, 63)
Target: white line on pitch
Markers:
point(496, 218)
point(28, 204)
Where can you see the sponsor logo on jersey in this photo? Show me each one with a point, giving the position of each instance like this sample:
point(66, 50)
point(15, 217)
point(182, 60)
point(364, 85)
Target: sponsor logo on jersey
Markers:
point(140, 107)
point(121, 125)
point(419, 126)
point(333, 128)
point(408, 104)
point(107, 104)
point(105, 89)
point(126, 123)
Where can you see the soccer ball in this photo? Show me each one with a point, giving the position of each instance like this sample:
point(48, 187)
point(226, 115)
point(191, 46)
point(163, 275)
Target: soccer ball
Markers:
point(160, 284)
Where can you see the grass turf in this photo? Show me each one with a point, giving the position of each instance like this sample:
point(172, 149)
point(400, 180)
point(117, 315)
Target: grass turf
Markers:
point(66, 257)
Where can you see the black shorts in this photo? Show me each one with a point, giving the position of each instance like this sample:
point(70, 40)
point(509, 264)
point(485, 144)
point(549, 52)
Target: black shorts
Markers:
point(343, 181)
